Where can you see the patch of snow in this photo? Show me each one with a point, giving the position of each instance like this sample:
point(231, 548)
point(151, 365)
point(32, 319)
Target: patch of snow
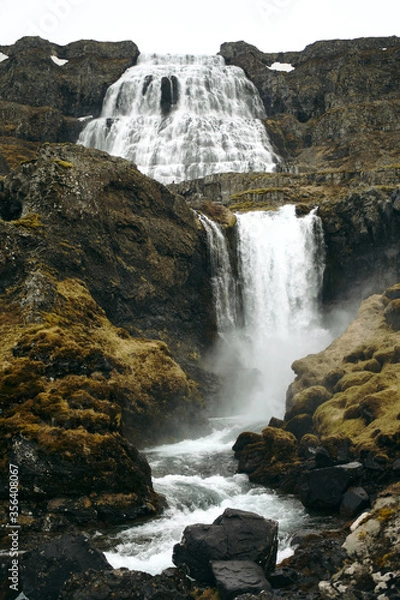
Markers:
point(3, 56)
point(384, 49)
point(86, 118)
point(278, 66)
point(58, 61)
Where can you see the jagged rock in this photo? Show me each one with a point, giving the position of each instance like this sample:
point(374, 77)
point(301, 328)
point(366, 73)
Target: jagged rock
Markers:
point(235, 577)
point(372, 562)
point(361, 233)
point(121, 584)
point(235, 535)
point(326, 113)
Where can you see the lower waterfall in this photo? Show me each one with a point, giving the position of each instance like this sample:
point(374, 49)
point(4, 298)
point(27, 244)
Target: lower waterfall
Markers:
point(266, 301)
point(280, 261)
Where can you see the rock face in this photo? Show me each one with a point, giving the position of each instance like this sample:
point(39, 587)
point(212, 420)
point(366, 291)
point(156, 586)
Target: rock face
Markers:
point(336, 99)
point(138, 248)
point(95, 258)
point(361, 234)
point(31, 75)
point(45, 88)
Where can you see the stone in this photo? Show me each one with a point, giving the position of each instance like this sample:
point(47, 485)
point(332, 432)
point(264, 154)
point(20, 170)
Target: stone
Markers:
point(123, 584)
point(300, 425)
point(324, 488)
point(44, 571)
point(354, 501)
point(234, 535)
point(283, 578)
point(234, 577)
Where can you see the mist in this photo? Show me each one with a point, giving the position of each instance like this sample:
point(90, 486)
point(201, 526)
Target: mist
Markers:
point(280, 263)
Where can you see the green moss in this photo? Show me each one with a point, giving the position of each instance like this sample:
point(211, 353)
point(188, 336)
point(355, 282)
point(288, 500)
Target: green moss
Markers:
point(63, 163)
point(30, 221)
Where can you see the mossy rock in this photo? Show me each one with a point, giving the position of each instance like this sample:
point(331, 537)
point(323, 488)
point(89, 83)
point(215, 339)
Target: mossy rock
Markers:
point(307, 401)
point(76, 393)
point(392, 314)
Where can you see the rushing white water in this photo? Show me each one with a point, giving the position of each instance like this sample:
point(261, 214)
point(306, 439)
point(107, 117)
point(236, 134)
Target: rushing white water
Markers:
point(183, 117)
point(281, 262)
point(265, 321)
point(224, 284)
point(199, 481)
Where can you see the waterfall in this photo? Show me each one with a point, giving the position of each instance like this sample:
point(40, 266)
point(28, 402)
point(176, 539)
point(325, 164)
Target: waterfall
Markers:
point(280, 261)
point(267, 315)
point(183, 117)
point(223, 282)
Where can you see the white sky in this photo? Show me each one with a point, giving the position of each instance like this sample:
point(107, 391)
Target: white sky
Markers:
point(199, 27)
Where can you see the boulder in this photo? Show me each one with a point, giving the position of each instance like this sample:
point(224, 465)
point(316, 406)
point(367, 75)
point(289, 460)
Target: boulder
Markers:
point(44, 571)
point(354, 501)
point(234, 577)
point(324, 488)
point(234, 535)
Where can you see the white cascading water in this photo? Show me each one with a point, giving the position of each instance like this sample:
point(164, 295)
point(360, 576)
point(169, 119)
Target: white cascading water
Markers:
point(281, 264)
point(265, 321)
point(181, 117)
point(224, 284)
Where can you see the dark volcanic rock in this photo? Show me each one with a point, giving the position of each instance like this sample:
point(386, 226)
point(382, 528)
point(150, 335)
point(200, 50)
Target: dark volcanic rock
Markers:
point(235, 535)
point(44, 571)
point(326, 74)
point(137, 247)
point(324, 488)
point(339, 106)
point(234, 577)
point(122, 584)
point(30, 75)
point(361, 236)
point(88, 244)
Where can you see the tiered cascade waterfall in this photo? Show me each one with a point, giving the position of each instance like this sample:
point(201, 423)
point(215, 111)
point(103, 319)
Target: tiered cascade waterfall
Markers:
point(181, 117)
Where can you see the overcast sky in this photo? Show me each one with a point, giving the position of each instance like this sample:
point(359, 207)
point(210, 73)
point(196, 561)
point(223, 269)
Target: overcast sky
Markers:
point(199, 27)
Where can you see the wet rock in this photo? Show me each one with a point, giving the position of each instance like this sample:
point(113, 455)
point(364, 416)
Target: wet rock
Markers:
point(234, 577)
point(45, 571)
point(324, 488)
point(235, 535)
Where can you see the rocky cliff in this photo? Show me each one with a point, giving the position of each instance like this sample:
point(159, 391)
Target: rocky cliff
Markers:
point(45, 88)
point(95, 258)
point(338, 107)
